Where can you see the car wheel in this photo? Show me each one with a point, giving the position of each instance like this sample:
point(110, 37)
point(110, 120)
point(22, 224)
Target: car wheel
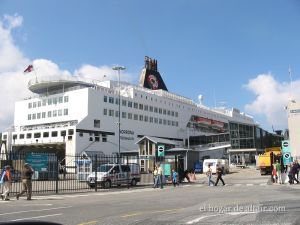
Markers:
point(133, 182)
point(107, 184)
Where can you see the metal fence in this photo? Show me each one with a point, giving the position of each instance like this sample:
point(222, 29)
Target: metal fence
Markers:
point(53, 174)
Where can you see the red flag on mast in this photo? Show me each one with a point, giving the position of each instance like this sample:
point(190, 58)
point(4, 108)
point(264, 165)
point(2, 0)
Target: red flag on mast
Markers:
point(29, 69)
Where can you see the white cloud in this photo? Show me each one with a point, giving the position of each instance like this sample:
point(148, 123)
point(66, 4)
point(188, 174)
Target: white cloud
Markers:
point(13, 85)
point(271, 97)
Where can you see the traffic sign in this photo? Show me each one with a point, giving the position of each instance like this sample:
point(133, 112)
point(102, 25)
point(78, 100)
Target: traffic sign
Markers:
point(285, 146)
point(160, 150)
point(287, 155)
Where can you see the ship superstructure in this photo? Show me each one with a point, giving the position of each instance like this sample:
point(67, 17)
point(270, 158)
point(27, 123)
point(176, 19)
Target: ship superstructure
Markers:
point(72, 116)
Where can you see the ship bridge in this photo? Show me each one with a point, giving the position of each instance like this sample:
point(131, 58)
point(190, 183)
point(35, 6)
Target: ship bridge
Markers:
point(44, 85)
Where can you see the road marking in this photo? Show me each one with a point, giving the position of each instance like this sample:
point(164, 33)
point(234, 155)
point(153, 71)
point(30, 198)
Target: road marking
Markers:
point(37, 217)
point(90, 222)
point(35, 210)
point(200, 218)
point(249, 184)
point(150, 212)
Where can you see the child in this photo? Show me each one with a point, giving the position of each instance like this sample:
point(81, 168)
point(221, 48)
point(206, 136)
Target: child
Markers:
point(274, 174)
point(174, 177)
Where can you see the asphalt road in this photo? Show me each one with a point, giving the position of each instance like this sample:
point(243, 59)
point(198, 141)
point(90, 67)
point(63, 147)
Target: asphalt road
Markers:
point(245, 199)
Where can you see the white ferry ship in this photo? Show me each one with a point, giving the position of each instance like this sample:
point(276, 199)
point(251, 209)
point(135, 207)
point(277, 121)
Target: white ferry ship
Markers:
point(72, 116)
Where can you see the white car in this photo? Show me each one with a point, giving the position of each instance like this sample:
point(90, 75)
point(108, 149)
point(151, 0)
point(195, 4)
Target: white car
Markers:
point(115, 174)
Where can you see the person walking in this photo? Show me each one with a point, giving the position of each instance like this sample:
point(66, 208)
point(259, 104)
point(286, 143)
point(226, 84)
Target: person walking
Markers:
point(209, 175)
point(160, 173)
point(155, 177)
point(6, 179)
point(174, 178)
point(219, 175)
point(278, 171)
point(26, 181)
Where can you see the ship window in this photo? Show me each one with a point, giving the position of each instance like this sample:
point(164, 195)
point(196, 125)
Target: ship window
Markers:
point(146, 107)
point(22, 136)
point(28, 136)
point(164, 112)
point(176, 123)
point(46, 134)
point(66, 99)
point(124, 115)
point(15, 136)
point(151, 108)
point(117, 114)
point(97, 123)
point(146, 118)
point(104, 138)
point(111, 100)
point(117, 101)
point(173, 123)
point(39, 104)
point(135, 116)
point(60, 100)
point(59, 112)
point(50, 101)
point(37, 135)
point(135, 105)
point(34, 105)
point(63, 133)
point(29, 105)
point(141, 117)
point(70, 138)
point(66, 112)
point(155, 120)
point(54, 133)
point(54, 113)
point(97, 139)
point(54, 101)
point(4, 137)
point(44, 102)
point(33, 116)
point(124, 102)
point(70, 132)
point(91, 139)
point(176, 114)
point(169, 122)
point(105, 98)
point(160, 111)
point(169, 112)
point(130, 116)
point(155, 109)
point(160, 121)
point(172, 113)
point(129, 104)
point(29, 116)
point(105, 112)
point(141, 106)
point(111, 112)
point(151, 119)
point(38, 115)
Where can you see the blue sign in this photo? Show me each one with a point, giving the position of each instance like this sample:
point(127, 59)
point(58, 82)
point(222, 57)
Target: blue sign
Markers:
point(287, 158)
point(198, 167)
point(38, 162)
point(285, 146)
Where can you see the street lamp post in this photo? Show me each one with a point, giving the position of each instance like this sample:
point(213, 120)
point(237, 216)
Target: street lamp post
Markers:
point(119, 68)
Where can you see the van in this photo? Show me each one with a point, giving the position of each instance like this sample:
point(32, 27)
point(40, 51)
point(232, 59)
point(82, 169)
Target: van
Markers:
point(115, 174)
point(223, 163)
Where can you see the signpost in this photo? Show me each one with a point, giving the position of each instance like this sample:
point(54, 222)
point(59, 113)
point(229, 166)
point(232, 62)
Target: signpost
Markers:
point(286, 152)
point(160, 150)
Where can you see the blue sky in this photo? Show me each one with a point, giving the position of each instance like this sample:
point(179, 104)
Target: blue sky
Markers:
point(230, 51)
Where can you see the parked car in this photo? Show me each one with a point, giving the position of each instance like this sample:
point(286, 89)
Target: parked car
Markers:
point(115, 174)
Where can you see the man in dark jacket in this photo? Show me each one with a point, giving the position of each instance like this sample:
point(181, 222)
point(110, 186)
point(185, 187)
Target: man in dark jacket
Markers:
point(26, 181)
point(219, 175)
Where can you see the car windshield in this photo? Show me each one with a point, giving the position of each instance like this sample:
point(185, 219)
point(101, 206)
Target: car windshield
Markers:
point(104, 168)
